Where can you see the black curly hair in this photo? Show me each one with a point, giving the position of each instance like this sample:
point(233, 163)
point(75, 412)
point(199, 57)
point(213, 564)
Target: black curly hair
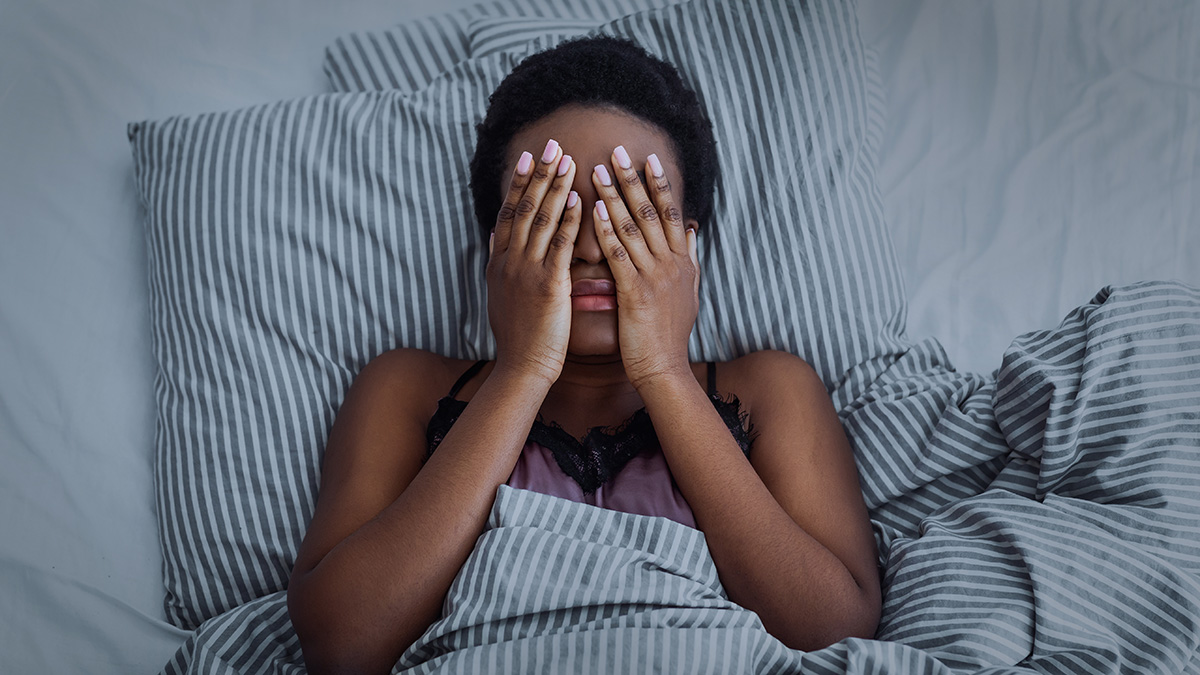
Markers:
point(604, 71)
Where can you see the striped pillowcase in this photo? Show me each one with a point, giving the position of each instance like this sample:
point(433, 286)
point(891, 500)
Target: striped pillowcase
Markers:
point(290, 243)
point(407, 56)
point(404, 57)
point(491, 35)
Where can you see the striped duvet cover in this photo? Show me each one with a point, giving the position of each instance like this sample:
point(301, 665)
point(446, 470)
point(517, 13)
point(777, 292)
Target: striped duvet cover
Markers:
point(1042, 519)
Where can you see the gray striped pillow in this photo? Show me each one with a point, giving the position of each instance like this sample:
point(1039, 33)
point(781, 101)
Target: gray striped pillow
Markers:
point(289, 243)
point(410, 54)
point(496, 34)
point(404, 57)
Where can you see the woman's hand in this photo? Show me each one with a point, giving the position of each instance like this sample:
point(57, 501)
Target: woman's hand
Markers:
point(529, 265)
point(654, 263)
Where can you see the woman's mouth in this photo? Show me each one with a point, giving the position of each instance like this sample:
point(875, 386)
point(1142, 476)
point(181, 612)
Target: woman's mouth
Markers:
point(593, 295)
point(593, 303)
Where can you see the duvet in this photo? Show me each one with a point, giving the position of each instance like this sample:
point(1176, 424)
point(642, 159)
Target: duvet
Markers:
point(1043, 518)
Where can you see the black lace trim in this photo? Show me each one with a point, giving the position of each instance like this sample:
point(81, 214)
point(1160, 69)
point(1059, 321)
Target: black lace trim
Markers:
point(604, 451)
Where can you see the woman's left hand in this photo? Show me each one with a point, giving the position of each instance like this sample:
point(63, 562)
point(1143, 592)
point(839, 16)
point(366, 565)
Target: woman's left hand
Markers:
point(655, 267)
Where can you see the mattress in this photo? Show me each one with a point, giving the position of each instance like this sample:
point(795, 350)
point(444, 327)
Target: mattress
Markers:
point(1033, 153)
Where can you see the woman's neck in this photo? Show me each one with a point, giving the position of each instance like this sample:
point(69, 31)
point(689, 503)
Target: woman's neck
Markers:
point(593, 380)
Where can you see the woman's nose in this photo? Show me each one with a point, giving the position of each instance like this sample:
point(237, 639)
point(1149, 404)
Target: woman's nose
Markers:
point(587, 245)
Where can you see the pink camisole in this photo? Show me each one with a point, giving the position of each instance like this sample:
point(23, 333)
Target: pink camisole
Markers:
point(622, 469)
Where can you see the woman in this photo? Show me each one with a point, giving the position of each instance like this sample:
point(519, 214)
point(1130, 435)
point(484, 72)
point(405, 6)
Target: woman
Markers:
point(592, 294)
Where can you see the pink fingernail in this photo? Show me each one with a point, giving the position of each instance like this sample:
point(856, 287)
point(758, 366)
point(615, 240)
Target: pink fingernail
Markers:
point(602, 209)
point(572, 198)
point(622, 157)
point(564, 164)
point(655, 166)
point(551, 149)
point(603, 174)
point(524, 163)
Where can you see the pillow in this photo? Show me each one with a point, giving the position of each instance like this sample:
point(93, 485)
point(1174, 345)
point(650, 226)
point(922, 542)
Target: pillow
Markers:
point(554, 23)
point(404, 57)
point(491, 35)
point(408, 55)
point(290, 243)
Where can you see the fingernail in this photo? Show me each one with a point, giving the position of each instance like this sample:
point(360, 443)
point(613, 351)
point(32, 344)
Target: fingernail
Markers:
point(603, 174)
point(572, 198)
point(524, 163)
point(622, 157)
point(602, 209)
point(564, 164)
point(691, 230)
point(655, 166)
point(548, 153)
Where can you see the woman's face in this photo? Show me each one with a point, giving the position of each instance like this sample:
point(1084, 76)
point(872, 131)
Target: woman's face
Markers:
point(588, 134)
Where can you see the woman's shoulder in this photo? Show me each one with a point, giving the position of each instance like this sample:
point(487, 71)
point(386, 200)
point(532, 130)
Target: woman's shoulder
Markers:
point(418, 363)
point(766, 359)
point(427, 374)
point(757, 376)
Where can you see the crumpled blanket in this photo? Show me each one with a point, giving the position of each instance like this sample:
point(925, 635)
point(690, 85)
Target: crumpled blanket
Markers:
point(1045, 518)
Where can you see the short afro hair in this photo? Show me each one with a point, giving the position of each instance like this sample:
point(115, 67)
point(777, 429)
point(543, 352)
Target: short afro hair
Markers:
point(603, 71)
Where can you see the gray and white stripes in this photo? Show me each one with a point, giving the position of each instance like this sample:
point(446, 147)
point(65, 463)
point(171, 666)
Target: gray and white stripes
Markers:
point(1088, 562)
point(407, 56)
point(1041, 518)
point(292, 242)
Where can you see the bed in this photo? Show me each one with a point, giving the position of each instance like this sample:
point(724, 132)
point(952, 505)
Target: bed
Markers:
point(1036, 164)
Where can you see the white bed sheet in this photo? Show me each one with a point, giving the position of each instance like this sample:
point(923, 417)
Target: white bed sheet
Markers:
point(79, 557)
point(1034, 152)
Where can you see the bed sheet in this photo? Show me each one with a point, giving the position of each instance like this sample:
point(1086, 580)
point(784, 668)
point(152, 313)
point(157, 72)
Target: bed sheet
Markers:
point(79, 556)
point(1034, 152)
point(1020, 174)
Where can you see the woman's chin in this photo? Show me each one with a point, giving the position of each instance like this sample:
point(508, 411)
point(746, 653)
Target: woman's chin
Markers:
point(593, 333)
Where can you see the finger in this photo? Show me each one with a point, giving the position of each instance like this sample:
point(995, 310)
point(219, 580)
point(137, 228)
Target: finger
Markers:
point(615, 252)
point(644, 212)
point(627, 231)
point(491, 244)
point(664, 201)
point(508, 208)
point(546, 222)
point(544, 172)
point(562, 245)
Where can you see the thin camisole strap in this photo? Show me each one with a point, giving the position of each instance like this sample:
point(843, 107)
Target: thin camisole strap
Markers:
point(712, 378)
point(462, 379)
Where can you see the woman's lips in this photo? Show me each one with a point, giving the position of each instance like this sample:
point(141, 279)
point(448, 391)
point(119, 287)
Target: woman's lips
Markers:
point(593, 295)
point(593, 303)
point(593, 287)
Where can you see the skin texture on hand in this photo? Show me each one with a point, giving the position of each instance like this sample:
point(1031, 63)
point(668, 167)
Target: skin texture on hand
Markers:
point(594, 385)
point(653, 259)
point(528, 273)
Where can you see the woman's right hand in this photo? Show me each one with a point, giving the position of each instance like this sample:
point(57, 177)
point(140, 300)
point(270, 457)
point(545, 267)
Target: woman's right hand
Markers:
point(529, 265)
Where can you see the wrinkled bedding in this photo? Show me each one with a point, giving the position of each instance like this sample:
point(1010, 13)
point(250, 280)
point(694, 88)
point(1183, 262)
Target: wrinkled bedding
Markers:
point(1041, 521)
point(1016, 182)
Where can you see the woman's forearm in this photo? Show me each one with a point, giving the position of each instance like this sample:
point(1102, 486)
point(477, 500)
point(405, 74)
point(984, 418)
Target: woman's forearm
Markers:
point(803, 593)
point(379, 589)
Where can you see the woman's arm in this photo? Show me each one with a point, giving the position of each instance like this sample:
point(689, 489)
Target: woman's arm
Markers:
point(788, 529)
point(389, 536)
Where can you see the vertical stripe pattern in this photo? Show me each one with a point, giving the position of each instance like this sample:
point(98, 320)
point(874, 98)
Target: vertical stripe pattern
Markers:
point(405, 57)
point(292, 242)
point(1038, 519)
point(1082, 554)
point(408, 55)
